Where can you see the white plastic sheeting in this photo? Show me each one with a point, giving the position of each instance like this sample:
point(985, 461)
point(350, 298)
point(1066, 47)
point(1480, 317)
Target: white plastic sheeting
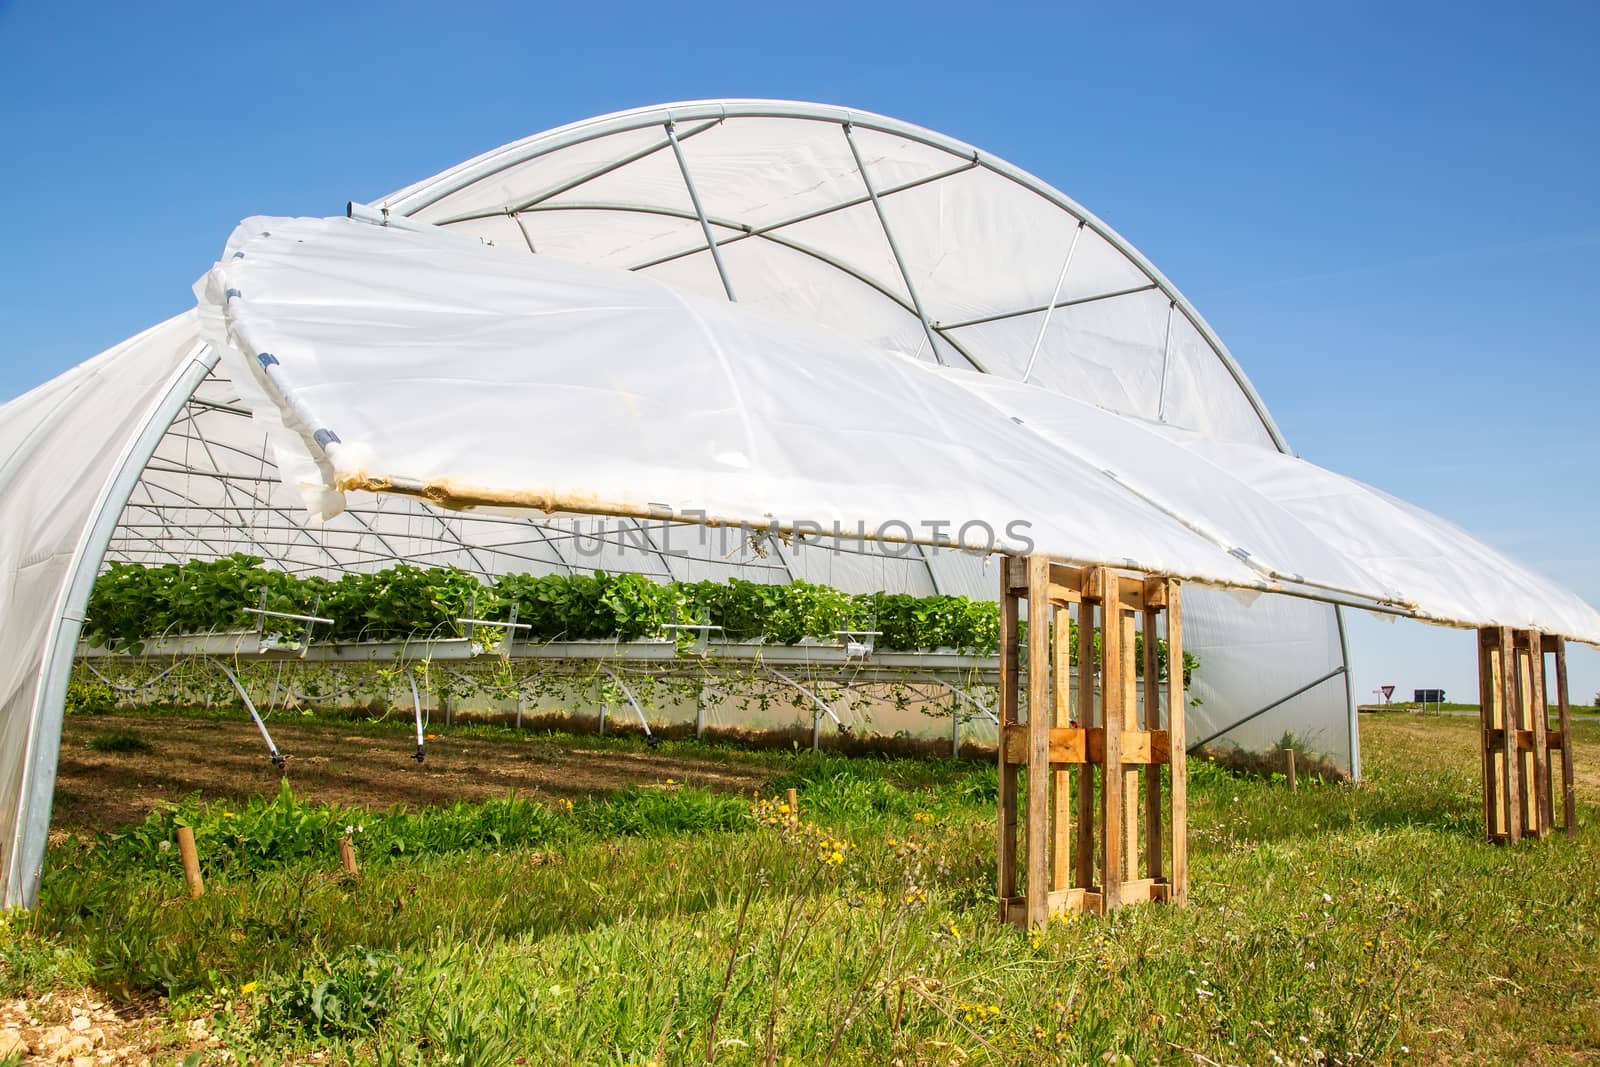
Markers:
point(963, 260)
point(65, 445)
point(368, 343)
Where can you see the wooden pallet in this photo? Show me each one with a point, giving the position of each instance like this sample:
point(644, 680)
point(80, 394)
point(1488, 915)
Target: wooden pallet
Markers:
point(1068, 735)
point(1519, 798)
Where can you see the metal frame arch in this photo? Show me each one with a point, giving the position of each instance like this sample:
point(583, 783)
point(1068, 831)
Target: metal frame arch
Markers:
point(42, 753)
point(418, 197)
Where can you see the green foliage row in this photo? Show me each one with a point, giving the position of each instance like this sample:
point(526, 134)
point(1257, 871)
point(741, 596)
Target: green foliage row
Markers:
point(267, 833)
point(132, 603)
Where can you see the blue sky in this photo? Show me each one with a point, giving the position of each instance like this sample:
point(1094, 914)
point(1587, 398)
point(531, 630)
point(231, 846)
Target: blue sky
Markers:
point(1388, 211)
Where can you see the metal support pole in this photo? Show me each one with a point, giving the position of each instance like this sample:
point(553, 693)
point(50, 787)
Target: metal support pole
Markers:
point(1049, 309)
point(628, 694)
point(894, 248)
point(416, 705)
point(694, 198)
point(1166, 361)
point(277, 757)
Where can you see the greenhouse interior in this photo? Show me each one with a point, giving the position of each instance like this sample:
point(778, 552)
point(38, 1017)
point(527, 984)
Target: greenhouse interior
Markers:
point(715, 416)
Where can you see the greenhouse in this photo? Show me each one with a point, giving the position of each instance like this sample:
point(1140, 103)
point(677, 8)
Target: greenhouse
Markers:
point(811, 375)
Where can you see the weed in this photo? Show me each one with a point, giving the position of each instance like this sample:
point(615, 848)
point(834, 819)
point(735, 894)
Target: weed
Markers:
point(119, 741)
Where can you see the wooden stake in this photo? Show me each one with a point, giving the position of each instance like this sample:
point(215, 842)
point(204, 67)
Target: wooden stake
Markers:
point(1490, 718)
point(1527, 769)
point(191, 861)
point(1288, 763)
point(347, 855)
point(1040, 718)
point(1569, 799)
point(1060, 791)
point(1130, 774)
point(1153, 836)
point(1540, 713)
point(1006, 845)
point(1178, 743)
point(1112, 695)
point(1083, 863)
point(1510, 758)
point(792, 798)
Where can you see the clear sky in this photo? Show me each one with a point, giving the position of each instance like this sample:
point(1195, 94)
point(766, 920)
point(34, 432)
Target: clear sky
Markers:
point(1390, 212)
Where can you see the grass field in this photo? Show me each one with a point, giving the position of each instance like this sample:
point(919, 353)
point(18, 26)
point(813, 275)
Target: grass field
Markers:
point(656, 912)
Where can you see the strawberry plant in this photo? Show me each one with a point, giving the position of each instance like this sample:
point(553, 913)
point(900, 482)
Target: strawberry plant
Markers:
point(131, 603)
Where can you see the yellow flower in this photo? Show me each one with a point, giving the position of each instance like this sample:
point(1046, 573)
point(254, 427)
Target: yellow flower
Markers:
point(247, 988)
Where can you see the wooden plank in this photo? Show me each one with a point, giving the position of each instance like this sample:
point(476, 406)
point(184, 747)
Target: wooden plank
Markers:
point(1074, 744)
point(1131, 592)
point(1569, 798)
point(1016, 576)
point(1062, 902)
point(1524, 739)
point(1153, 837)
point(1155, 593)
point(1006, 847)
point(1527, 780)
point(1130, 721)
point(1112, 797)
point(1094, 584)
point(1075, 901)
point(1490, 719)
point(1083, 854)
point(1140, 890)
point(1041, 717)
point(1060, 790)
point(1540, 713)
point(1510, 759)
point(1063, 594)
point(1064, 575)
point(1178, 788)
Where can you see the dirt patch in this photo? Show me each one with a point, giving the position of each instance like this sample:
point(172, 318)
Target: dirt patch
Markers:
point(330, 763)
point(73, 1028)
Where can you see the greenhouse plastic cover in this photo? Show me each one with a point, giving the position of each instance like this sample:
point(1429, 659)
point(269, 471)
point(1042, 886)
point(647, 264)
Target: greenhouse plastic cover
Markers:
point(371, 343)
point(1108, 413)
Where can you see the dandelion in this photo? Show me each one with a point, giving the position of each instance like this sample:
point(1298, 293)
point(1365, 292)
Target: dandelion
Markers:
point(247, 988)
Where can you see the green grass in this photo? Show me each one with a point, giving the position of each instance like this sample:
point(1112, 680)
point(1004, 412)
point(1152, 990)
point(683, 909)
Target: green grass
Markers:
point(119, 741)
point(672, 925)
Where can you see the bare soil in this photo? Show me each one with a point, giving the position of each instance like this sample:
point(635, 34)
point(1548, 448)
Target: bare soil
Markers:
point(339, 763)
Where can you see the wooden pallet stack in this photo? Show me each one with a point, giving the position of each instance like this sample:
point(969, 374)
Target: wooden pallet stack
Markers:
point(1068, 736)
point(1518, 780)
